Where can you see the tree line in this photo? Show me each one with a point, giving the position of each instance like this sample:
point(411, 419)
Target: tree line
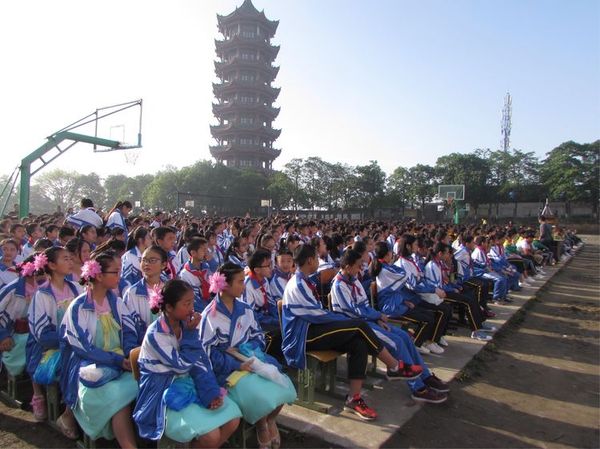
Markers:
point(569, 173)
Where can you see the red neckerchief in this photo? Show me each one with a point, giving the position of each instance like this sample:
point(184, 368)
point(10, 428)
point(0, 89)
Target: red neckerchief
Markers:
point(201, 275)
point(265, 305)
point(413, 263)
point(310, 285)
point(487, 262)
point(171, 269)
point(353, 287)
point(439, 264)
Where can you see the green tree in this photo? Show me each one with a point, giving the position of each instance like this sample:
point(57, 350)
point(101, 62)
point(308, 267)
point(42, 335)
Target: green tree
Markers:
point(370, 185)
point(571, 172)
point(468, 169)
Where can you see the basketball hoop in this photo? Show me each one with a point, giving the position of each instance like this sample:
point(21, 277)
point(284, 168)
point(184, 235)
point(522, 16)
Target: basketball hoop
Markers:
point(132, 155)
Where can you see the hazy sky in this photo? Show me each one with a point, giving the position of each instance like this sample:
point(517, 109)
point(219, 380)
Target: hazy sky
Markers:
point(396, 81)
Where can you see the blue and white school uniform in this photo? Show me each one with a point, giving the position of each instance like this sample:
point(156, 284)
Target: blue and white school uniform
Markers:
point(131, 269)
point(84, 217)
point(501, 265)
point(224, 240)
point(278, 283)
point(257, 294)
point(482, 268)
point(116, 220)
point(197, 277)
point(417, 281)
point(216, 258)
point(349, 298)
point(100, 336)
point(390, 241)
point(181, 258)
point(392, 291)
point(177, 386)
point(300, 308)
point(220, 330)
point(238, 259)
point(7, 274)
point(14, 305)
point(136, 301)
point(464, 263)
point(46, 314)
point(27, 249)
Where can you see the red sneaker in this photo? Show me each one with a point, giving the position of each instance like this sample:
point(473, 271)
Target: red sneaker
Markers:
point(358, 405)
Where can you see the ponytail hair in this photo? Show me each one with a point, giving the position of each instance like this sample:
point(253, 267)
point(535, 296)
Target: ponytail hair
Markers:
point(407, 240)
point(381, 250)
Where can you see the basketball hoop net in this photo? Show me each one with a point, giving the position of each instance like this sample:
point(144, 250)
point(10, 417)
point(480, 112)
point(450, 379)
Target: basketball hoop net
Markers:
point(131, 156)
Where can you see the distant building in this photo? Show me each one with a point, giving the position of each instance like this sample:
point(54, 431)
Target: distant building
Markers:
point(245, 97)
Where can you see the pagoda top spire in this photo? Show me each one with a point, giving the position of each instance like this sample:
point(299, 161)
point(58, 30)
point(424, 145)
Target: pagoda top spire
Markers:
point(247, 10)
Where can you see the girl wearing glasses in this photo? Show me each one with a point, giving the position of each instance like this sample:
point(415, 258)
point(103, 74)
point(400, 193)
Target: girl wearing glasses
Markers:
point(153, 262)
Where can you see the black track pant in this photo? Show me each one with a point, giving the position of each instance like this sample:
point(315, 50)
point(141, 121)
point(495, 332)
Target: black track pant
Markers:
point(431, 324)
point(353, 337)
point(473, 311)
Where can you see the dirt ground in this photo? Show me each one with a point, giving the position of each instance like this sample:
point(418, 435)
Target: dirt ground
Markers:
point(537, 385)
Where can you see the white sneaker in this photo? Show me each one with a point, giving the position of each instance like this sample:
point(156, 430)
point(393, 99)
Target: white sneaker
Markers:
point(423, 350)
point(435, 348)
point(443, 342)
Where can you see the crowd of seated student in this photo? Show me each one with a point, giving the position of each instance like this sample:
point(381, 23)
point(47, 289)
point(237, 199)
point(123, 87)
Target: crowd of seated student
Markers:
point(78, 293)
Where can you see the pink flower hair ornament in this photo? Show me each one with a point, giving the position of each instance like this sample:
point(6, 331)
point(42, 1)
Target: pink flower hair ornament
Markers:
point(40, 261)
point(155, 297)
point(27, 269)
point(90, 270)
point(218, 282)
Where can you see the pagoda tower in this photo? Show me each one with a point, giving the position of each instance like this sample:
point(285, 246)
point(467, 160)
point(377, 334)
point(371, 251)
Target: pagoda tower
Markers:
point(244, 94)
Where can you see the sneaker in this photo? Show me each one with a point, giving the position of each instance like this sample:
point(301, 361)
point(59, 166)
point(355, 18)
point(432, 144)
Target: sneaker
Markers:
point(405, 372)
point(488, 327)
point(358, 405)
point(38, 403)
point(480, 335)
point(423, 350)
point(429, 395)
point(435, 348)
point(443, 342)
point(508, 300)
point(435, 383)
point(488, 313)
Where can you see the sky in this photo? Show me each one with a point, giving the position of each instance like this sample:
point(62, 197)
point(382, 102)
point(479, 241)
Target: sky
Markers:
point(400, 82)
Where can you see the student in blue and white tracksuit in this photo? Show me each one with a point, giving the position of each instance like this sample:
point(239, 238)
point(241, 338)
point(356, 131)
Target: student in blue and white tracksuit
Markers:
point(87, 215)
point(137, 297)
point(196, 272)
point(131, 270)
point(482, 268)
point(466, 277)
point(307, 326)
point(97, 334)
point(349, 298)
point(14, 325)
point(46, 314)
point(284, 266)
point(237, 252)
point(397, 301)
point(215, 255)
point(230, 323)
point(257, 294)
point(452, 292)
point(179, 395)
point(117, 216)
point(8, 267)
point(501, 265)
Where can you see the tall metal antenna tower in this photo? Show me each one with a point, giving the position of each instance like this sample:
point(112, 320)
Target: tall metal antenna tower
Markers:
point(506, 122)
